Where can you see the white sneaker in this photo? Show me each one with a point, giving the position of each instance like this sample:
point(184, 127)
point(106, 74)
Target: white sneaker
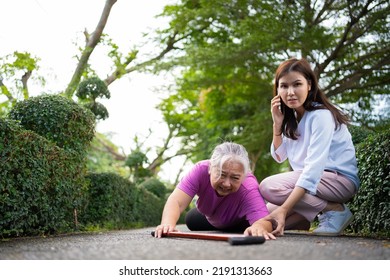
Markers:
point(333, 223)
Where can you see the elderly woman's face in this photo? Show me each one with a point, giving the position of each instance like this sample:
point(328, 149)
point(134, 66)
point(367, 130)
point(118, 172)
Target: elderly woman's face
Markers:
point(229, 179)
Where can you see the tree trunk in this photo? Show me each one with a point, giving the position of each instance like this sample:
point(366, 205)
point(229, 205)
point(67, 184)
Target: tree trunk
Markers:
point(91, 43)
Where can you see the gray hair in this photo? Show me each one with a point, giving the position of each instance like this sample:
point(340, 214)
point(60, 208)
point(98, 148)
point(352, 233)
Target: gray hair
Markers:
point(228, 151)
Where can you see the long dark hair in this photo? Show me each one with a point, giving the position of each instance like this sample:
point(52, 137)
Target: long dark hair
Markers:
point(316, 99)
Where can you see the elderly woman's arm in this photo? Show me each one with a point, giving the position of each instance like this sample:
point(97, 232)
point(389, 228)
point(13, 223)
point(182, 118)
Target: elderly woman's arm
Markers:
point(260, 228)
point(175, 205)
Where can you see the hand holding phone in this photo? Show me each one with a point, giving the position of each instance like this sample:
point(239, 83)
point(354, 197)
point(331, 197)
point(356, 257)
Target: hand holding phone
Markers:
point(277, 110)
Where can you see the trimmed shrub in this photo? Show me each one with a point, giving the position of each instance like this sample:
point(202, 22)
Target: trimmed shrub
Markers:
point(114, 202)
point(91, 89)
point(40, 184)
point(155, 186)
point(359, 134)
point(58, 119)
point(109, 201)
point(148, 208)
point(371, 205)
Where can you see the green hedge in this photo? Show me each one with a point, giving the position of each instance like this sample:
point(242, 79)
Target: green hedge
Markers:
point(42, 173)
point(371, 206)
point(44, 187)
point(58, 119)
point(359, 134)
point(155, 186)
point(40, 183)
point(114, 202)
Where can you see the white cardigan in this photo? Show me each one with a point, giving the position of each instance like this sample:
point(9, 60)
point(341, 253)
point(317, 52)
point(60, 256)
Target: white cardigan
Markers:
point(319, 147)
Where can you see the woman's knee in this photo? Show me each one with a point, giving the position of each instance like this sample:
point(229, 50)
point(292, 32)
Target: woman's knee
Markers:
point(197, 221)
point(267, 187)
point(190, 218)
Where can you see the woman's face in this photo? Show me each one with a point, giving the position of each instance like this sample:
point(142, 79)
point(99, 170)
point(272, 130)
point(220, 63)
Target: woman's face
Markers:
point(293, 88)
point(229, 179)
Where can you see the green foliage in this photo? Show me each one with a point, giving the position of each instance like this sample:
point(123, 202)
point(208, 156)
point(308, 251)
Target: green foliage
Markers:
point(91, 89)
point(359, 134)
point(149, 208)
point(110, 201)
point(115, 202)
point(103, 156)
point(371, 205)
point(232, 48)
point(135, 161)
point(42, 148)
point(18, 65)
point(120, 60)
point(40, 184)
point(15, 70)
point(99, 110)
point(155, 186)
point(57, 119)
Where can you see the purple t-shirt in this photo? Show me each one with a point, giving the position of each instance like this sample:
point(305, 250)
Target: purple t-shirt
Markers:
point(222, 212)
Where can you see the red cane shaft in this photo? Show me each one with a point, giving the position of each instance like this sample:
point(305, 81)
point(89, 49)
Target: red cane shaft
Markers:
point(233, 239)
point(205, 236)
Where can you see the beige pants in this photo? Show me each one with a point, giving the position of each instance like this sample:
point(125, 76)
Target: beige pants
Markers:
point(333, 187)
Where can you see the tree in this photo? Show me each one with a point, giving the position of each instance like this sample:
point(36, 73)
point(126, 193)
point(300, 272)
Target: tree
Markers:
point(91, 89)
point(232, 49)
point(15, 65)
point(84, 78)
point(104, 156)
point(227, 52)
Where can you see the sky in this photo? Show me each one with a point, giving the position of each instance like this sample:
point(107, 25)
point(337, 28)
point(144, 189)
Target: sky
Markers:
point(49, 29)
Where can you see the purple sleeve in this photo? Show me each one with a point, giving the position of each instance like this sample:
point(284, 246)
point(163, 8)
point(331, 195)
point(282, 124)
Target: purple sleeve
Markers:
point(191, 182)
point(254, 205)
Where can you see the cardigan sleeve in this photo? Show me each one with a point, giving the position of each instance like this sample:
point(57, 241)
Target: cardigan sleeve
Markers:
point(320, 129)
point(280, 154)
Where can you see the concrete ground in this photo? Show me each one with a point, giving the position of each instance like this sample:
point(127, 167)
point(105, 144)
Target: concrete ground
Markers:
point(140, 245)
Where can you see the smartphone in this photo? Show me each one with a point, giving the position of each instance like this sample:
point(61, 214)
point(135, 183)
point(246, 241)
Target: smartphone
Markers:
point(281, 106)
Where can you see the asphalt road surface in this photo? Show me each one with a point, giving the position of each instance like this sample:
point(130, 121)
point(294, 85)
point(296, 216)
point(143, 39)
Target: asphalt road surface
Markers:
point(140, 245)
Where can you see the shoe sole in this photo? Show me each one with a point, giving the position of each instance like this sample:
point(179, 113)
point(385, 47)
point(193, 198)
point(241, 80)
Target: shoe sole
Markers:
point(345, 225)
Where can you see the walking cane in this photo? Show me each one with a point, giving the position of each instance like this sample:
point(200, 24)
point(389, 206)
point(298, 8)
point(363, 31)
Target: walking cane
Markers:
point(233, 239)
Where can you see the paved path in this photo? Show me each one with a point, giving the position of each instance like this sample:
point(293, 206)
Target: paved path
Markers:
point(140, 245)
